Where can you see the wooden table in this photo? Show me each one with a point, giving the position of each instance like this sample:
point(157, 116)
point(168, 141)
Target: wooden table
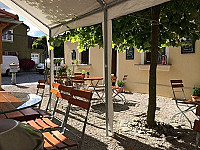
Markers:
point(10, 103)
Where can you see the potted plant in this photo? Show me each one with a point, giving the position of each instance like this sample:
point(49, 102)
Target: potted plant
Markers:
point(58, 61)
point(120, 83)
point(62, 69)
point(196, 94)
point(83, 73)
point(88, 74)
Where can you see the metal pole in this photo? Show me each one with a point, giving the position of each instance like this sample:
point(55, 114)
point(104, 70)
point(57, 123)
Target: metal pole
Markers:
point(106, 62)
point(51, 64)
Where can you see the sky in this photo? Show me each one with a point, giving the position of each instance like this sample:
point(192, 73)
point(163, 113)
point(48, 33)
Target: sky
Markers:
point(34, 31)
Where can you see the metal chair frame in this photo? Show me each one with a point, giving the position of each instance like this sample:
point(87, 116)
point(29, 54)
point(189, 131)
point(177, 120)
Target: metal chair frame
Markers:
point(178, 84)
point(76, 99)
point(41, 85)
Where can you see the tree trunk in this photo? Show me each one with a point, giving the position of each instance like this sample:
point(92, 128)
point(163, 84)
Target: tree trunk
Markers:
point(155, 12)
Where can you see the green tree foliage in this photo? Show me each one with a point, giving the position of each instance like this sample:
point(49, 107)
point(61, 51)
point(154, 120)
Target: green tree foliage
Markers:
point(58, 47)
point(178, 19)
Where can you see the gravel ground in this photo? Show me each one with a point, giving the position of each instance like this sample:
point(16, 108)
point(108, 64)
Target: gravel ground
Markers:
point(125, 137)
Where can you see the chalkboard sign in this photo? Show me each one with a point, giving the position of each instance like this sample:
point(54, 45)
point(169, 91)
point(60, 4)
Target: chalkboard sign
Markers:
point(189, 48)
point(129, 53)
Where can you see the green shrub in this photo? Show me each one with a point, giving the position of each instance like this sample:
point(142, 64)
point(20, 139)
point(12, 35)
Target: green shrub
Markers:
point(196, 91)
point(27, 64)
point(120, 83)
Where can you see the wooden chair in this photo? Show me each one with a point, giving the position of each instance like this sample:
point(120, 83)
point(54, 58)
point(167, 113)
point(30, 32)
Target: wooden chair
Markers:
point(117, 91)
point(62, 78)
point(52, 94)
point(197, 127)
point(57, 139)
point(77, 74)
point(178, 87)
point(40, 89)
point(78, 82)
point(44, 123)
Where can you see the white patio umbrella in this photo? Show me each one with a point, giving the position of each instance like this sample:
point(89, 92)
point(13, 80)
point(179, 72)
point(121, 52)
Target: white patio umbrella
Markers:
point(56, 16)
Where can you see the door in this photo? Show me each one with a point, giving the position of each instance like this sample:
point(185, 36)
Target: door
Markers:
point(114, 62)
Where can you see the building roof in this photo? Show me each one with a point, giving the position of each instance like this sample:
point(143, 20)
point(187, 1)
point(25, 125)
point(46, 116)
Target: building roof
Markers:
point(8, 20)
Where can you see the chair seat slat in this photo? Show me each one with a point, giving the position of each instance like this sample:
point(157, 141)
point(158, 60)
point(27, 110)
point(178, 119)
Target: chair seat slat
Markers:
point(63, 139)
point(35, 125)
point(53, 140)
point(42, 123)
point(50, 123)
point(48, 146)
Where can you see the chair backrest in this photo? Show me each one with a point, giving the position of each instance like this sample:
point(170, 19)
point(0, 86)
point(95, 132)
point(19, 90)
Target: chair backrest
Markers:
point(113, 80)
point(77, 81)
point(40, 89)
point(63, 93)
point(52, 95)
point(81, 99)
point(177, 86)
point(77, 74)
point(63, 76)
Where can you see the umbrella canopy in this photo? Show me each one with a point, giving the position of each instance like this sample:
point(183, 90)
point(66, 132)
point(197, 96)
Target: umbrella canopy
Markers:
point(60, 15)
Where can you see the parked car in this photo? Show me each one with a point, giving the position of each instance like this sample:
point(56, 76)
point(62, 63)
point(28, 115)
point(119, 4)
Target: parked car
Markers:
point(7, 60)
point(40, 66)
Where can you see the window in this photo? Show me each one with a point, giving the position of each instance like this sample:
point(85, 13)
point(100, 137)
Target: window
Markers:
point(10, 53)
point(85, 57)
point(146, 57)
point(8, 36)
point(35, 58)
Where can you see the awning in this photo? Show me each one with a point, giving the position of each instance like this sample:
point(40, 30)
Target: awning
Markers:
point(60, 15)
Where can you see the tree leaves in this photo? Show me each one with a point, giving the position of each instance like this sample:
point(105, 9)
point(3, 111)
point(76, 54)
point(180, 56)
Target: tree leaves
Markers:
point(178, 19)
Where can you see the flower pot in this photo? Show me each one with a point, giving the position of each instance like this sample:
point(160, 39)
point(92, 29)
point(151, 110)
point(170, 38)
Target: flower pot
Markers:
point(195, 98)
point(83, 75)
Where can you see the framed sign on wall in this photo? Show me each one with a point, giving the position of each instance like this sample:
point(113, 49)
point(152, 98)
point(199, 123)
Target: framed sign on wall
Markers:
point(189, 46)
point(130, 53)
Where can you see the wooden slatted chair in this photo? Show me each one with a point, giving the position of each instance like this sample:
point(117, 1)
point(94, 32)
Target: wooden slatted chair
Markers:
point(40, 89)
point(57, 139)
point(197, 127)
point(44, 123)
point(77, 82)
point(62, 78)
point(118, 91)
point(77, 74)
point(181, 103)
point(52, 95)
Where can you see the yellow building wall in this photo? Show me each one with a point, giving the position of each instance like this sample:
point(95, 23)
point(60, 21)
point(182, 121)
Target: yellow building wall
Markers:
point(183, 66)
point(96, 60)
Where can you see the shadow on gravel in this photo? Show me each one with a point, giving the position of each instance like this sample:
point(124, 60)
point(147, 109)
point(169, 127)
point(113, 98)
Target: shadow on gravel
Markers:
point(100, 108)
point(183, 139)
point(128, 143)
point(22, 87)
point(23, 77)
